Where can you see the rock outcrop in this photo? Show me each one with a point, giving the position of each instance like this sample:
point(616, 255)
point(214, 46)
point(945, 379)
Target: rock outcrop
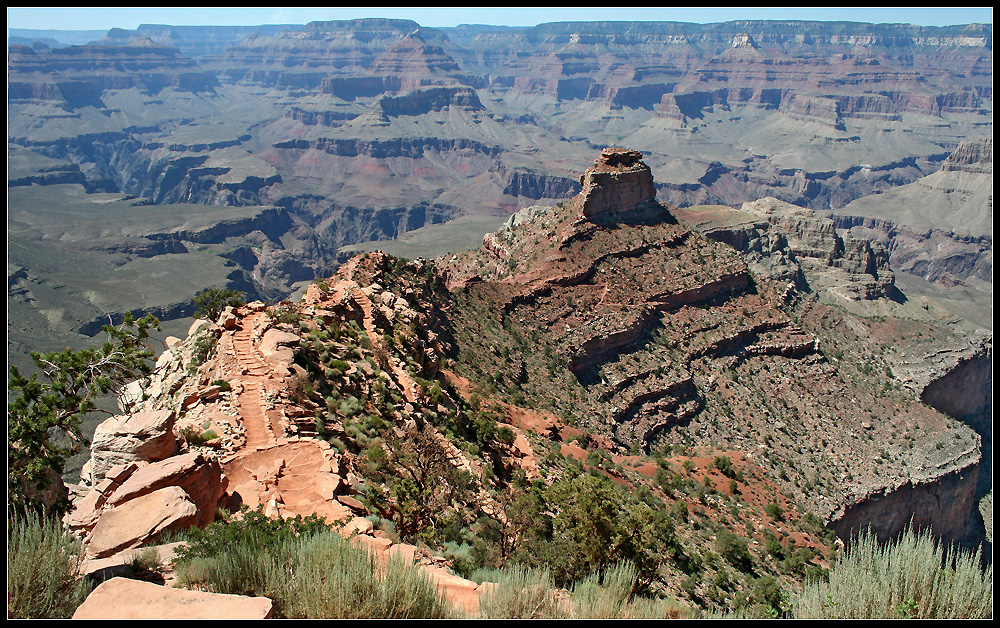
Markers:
point(667, 334)
point(140, 519)
point(76, 76)
point(139, 437)
point(619, 185)
point(123, 598)
point(800, 247)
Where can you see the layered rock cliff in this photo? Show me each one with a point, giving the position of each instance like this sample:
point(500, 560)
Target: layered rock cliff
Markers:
point(670, 339)
point(567, 343)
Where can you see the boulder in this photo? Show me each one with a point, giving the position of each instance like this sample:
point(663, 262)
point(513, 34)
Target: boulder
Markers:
point(352, 503)
point(87, 510)
point(275, 346)
point(461, 593)
point(144, 436)
point(198, 325)
point(618, 184)
point(151, 601)
point(228, 318)
point(137, 520)
point(358, 525)
point(200, 476)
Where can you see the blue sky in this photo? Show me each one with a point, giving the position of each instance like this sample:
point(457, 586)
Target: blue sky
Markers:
point(75, 18)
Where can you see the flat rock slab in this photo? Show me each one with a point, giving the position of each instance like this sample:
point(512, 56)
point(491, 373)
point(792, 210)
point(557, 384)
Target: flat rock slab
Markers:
point(199, 475)
point(139, 519)
point(146, 436)
point(146, 600)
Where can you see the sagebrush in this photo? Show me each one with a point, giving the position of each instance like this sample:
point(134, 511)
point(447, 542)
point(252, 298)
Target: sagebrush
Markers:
point(915, 576)
point(43, 581)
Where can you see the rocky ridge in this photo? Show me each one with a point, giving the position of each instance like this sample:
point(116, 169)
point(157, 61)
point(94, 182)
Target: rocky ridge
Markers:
point(667, 336)
point(365, 129)
point(796, 245)
point(223, 422)
point(627, 328)
point(945, 235)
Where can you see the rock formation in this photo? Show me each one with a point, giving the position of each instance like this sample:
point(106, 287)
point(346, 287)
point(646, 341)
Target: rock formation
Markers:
point(122, 598)
point(667, 335)
point(627, 324)
point(264, 451)
point(617, 186)
point(253, 166)
point(143, 436)
point(379, 127)
point(796, 245)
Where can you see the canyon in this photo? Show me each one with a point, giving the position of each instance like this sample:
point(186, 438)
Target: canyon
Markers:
point(365, 130)
point(641, 245)
point(549, 324)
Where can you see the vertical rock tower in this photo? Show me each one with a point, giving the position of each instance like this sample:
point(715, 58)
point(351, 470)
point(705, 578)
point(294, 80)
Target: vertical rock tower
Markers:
point(619, 188)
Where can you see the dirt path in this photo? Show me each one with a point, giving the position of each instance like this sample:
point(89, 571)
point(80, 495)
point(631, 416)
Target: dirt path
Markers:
point(408, 384)
point(257, 425)
point(299, 476)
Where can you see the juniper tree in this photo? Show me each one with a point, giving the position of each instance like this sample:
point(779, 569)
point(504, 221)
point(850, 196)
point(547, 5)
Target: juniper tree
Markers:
point(45, 410)
point(212, 301)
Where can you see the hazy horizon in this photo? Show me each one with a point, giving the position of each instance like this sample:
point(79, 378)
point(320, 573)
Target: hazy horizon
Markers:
point(76, 18)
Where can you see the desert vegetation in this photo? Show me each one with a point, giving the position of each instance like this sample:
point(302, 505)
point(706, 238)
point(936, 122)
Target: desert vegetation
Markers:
point(43, 560)
point(307, 568)
point(211, 301)
point(45, 409)
point(912, 577)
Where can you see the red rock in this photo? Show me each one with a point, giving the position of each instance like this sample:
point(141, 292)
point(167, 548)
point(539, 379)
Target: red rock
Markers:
point(618, 183)
point(358, 525)
point(198, 474)
point(275, 346)
point(462, 593)
point(150, 601)
point(140, 519)
point(143, 436)
point(352, 503)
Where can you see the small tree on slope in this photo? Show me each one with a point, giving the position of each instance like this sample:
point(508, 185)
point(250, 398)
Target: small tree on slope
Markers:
point(45, 410)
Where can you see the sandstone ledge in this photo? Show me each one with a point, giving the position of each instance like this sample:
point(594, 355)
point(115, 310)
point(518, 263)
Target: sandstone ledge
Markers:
point(121, 598)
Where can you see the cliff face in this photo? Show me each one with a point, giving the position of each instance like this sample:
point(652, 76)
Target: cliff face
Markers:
point(805, 73)
point(618, 184)
point(798, 246)
point(77, 75)
point(665, 335)
point(292, 144)
point(938, 228)
point(974, 155)
point(621, 345)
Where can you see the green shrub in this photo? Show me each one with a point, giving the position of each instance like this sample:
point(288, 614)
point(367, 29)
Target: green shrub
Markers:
point(610, 595)
point(250, 528)
point(143, 565)
point(724, 464)
point(733, 549)
point(194, 436)
point(520, 593)
point(774, 511)
point(914, 576)
point(327, 576)
point(42, 570)
point(309, 570)
point(202, 350)
point(679, 509)
point(212, 301)
point(604, 597)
